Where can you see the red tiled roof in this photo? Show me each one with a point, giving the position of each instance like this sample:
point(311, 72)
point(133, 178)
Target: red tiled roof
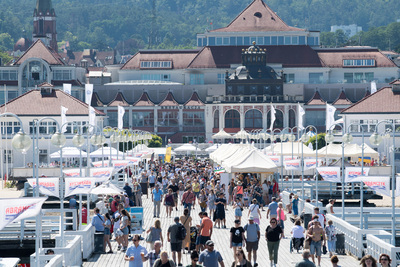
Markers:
point(194, 100)
point(257, 17)
point(32, 103)
point(40, 50)
point(45, 84)
point(333, 57)
point(169, 100)
point(316, 100)
point(342, 99)
point(290, 56)
point(144, 101)
point(382, 101)
point(119, 100)
point(180, 58)
point(395, 82)
point(96, 101)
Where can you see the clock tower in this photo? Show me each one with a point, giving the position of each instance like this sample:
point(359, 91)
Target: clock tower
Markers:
point(44, 24)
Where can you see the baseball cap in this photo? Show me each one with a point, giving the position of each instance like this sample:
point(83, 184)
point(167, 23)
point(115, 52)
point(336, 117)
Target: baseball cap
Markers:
point(209, 243)
point(251, 218)
point(316, 220)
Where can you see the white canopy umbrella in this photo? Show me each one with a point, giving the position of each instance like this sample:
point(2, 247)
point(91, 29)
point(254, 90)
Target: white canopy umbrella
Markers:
point(242, 134)
point(286, 149)
point(68, 152)
point(106, 189)
point(222, 135)
point(161, 151)
point(106, 152)
point(368, 151)
point(212, 148)
point(254, 161)
point(187, 148)
point(335, 151)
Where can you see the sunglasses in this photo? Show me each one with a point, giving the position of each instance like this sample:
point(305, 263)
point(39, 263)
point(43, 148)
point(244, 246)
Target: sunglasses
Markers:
point(273, 222)
point(135, 240)
point(384, 259)
point(210, 245)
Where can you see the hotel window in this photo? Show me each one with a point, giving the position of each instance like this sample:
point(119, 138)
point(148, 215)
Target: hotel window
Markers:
point(274, 40)
point(239, 40)
point(219, 40)
point(295, 40)
point(288, 40)
point(267, 40)
point(260, 40)
point(359, 62)
point(232, 40)
point(225, 41)
point(143, 119)
point(156, 77)
point(196, 78)
point(211, 41)
point(246, 40)
point(253, 39)
point(302, 40)
point(193, 118)
point(155, 64)
point(221, 78)
point(289, 77)
point(8, 75)
point(199, 41)
point(280, 40)
point(315, 77)
point(9, 127)
point(62, 75)
point(167, 118)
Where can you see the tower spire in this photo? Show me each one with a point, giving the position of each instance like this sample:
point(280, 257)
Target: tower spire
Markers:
point(44, 23)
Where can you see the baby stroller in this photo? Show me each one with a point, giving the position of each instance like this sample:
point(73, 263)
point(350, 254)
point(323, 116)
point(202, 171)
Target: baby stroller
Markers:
point(193, 237)
point(296, 243)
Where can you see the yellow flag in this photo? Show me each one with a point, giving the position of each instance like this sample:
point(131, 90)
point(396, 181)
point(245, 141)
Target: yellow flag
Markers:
point(168, 155)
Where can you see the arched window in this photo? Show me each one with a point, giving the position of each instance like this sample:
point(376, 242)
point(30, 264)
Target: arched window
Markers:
point(253, 119)
point(292, 118)
point(232, 119)
point(216, 119)
point(278, 119)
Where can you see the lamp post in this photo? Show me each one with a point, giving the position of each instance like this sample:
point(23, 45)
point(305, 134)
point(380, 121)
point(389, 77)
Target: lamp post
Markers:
point(345, 139)
point(376, 139)
point(316, 158)
point(304, 138)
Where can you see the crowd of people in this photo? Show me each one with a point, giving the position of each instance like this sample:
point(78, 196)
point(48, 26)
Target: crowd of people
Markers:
point(194, 186)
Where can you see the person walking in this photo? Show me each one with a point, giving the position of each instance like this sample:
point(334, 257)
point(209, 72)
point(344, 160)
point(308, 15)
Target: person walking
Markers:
point(330, 231)
point(211, 202)
point(157, 196)
point(206, 230)
point(188, 199)
point(240, 259)
point(317, 235)
point(237, 239)
point(169, 202)
point(254, 210)
point(164, 261)
point(98, 220)
point(176, 244)
point(329, 206)
point(385, 260)
point(211, 257)
point(186, 220)
point(273, 235)
point(154, 254)
point(281, 217)
point(368, 261)
point(252, 230)
point(238, 206)
point(305, 262)
point(297, 235)
point(156, 233)
point(125, 221)
point(272, 207)
point(203, 200)
point(335, 260)
point(107, 232)
point(194, 257)
point(295, 206)
point(137, 190)
point(220, 210)
point(135, 254)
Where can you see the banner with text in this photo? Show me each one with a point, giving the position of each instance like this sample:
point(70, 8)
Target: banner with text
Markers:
point(101, 174)
point(311, 163)
point(120, 164)
point(47, 186)
point(330, 174)
point(17, 209)
point(353, 174)
point(74, 173)
point(276, 160)
point(79, 185)
point(380, 184)
point(98, 164)
point(294, 165)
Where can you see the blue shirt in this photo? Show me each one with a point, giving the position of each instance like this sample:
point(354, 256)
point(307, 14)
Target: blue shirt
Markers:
point(273, 206)
point(72, 203)
point(135, 252)
point(97, 222)
point(210, 259)
point(157, 195)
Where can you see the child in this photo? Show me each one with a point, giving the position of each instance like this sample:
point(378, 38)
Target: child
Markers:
point(238, 209)
point(246, 198)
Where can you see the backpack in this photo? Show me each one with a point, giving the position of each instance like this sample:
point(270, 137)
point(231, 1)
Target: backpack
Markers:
point(181, 232)
point(270, 191)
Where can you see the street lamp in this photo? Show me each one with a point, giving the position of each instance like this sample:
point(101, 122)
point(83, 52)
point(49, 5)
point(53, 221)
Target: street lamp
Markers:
point(316, 158)
point(376, 139)
point(304, 139)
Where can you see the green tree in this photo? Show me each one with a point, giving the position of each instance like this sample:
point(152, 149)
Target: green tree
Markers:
point(321, 141)
point(6, 58)
point(6, 41)
point(156, 141)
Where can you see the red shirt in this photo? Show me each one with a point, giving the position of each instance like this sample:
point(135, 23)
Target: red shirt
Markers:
point(84, 215)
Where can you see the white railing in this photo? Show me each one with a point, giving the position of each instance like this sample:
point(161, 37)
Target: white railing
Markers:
point(378, 244)
point(72, 251)
point(53, 260)
point(87, 235)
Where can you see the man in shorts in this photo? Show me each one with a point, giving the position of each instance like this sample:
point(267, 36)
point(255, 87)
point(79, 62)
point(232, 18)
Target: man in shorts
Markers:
point(206, 229)
point(252, 239)
point(176, 245)
point(317, 234)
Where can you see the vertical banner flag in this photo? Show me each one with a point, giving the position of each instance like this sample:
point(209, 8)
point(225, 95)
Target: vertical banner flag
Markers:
point(294, 165)
point(67, 88)
point(276, 160)
point(81, 185)
point(301, 114)
point(88, 93)
point(121, 112)
point(102, 174)
point(330, 116)
point(311, 163)
point(330, 174)
point(373, 87)
point(92, 117)
point(17, 209)
point(380, 184)
point(272, 117)
point(64, 119)
point(353, 174)
point(47, 186)
point(168, 154)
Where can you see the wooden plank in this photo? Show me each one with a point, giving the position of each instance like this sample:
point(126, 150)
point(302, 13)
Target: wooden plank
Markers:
point(221, 239)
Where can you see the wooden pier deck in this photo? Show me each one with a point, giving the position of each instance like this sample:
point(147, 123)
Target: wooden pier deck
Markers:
point(221, 239)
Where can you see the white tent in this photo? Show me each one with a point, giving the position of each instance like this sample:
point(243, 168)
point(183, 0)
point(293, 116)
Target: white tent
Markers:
point(335, 151)
point(68, 152)
point(226, 153)
point(161, 151)
point(106, 152)
point(368, 152)
point(254, 161)
point(212, 148)
point(221, 149)
point(285, 149)
point(222, 135)
point(186, 148)
point(139, 148)
point(106, 189)
point(242, 134)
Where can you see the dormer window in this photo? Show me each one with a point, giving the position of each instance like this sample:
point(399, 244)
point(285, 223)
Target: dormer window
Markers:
point(358, 62)
point(155, 64)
